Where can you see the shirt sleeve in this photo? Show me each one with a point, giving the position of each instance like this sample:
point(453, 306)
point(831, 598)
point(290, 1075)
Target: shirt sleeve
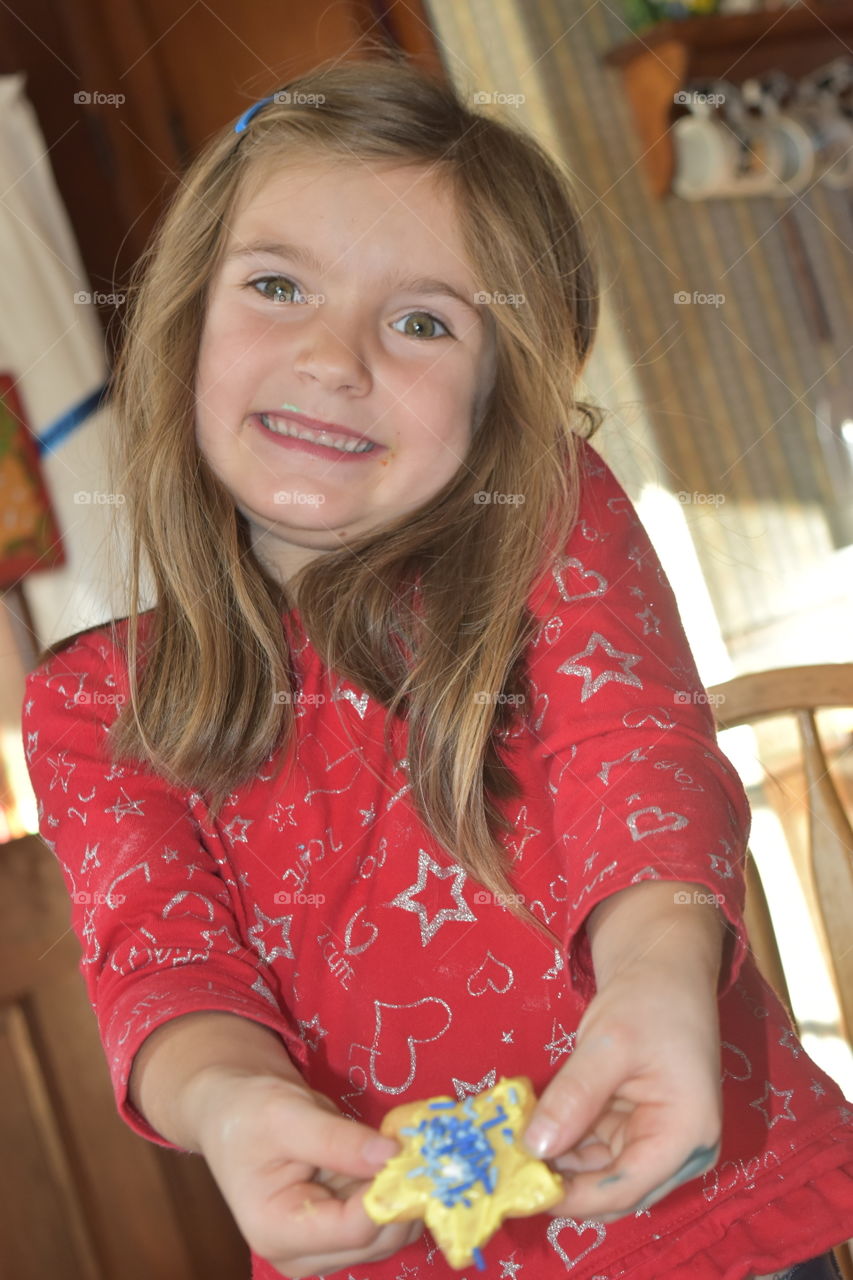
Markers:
point(150, 904)
point(640, 786)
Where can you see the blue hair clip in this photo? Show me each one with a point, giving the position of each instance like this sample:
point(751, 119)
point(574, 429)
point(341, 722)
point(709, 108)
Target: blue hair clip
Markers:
point(248, 114)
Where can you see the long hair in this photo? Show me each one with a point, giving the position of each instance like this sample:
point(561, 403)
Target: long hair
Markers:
point(426, 614)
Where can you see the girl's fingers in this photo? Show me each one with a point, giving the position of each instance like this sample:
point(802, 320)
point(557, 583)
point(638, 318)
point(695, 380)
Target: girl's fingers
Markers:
point(389, 1240)
point(588, 1155)
point(577, 1096)
point(341, 1185)
point(324, 1139)
point(702, 1158)
point(298, 1216)
point(296, 1173)
point(649, 1167)
point(602, 1144)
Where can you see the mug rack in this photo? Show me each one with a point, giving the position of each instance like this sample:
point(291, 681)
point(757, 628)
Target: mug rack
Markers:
point(658, 63)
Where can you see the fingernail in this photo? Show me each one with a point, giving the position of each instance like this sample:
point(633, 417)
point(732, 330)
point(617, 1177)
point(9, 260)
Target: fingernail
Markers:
point(379, 1151)
point(540, 1137)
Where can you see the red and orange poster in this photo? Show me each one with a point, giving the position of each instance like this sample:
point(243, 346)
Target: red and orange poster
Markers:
point(29, 535)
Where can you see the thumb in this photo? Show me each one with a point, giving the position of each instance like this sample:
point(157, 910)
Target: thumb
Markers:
point(328, 1140)
point(575, 1098)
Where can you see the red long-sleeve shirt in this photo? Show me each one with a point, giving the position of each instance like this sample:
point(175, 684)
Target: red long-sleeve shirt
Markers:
point(323, 908)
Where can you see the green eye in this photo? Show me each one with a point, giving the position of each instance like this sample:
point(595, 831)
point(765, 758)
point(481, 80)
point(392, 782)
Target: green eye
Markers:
point(282, 290)
point(424, 321)
point(281, 285)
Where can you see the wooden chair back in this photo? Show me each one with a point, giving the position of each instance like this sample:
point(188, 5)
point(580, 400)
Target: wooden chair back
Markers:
point(801, 691)
point(828, 865)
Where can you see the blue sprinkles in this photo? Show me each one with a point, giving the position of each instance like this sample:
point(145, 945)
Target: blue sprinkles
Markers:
point(477, 1255)
point(457, 1153)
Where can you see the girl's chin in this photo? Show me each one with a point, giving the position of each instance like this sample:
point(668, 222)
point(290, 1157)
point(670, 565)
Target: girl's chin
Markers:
point(302, 529)
point(290, 510)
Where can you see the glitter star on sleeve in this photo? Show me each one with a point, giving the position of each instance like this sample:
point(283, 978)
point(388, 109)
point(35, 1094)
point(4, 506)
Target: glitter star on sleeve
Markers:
point(463, 1169)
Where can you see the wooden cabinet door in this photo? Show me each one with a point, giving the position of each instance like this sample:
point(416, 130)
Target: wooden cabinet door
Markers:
point(160, 78)
point(82, 1197)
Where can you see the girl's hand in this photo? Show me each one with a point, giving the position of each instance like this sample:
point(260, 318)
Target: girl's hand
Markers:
point(292, 1171)
point(637, 1108)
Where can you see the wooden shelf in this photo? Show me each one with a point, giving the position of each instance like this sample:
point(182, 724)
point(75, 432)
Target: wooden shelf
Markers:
point(660, 61)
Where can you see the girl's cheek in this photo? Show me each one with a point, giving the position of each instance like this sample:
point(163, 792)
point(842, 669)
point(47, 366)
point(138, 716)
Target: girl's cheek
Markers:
point(225, 358)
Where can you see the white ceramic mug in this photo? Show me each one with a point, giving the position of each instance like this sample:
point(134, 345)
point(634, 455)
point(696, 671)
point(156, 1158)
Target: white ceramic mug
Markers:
point(712, 161)
point(788, 152)
point(831, 135)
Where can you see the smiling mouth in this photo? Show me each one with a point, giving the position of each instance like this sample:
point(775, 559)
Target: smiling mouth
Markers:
point(344, 444)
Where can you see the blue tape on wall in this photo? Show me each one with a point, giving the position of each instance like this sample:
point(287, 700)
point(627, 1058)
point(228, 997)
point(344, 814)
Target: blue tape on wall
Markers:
point(70, 421)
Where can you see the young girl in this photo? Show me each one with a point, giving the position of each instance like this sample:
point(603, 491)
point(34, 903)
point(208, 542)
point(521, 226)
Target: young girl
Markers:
point(406, 780)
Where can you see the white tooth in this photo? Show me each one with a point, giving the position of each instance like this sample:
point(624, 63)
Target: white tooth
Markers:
point(316, 437)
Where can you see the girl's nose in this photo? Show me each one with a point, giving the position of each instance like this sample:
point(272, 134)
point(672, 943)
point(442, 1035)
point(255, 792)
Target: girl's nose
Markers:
point(331, 355)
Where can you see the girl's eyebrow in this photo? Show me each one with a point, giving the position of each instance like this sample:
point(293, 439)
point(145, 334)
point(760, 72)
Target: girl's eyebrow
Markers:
point(410, 284)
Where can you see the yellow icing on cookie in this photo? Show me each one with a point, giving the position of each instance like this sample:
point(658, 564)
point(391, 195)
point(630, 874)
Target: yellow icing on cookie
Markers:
point(463, 1169)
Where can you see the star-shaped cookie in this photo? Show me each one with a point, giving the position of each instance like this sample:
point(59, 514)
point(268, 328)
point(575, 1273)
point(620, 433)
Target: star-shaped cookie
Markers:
point(463, 1169)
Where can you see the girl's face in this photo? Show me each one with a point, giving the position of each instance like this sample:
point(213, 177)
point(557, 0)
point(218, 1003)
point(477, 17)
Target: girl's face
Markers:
point(337, 300)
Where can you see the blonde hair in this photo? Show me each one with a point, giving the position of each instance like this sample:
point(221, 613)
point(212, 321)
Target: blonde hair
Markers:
point(427, 614)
